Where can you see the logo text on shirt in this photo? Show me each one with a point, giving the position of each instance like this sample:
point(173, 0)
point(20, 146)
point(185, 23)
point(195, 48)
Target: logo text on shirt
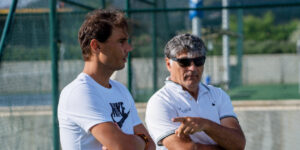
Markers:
point(118, 110)
point(184, 110)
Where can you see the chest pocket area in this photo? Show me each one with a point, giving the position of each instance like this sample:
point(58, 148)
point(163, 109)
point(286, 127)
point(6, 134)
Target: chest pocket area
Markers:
point(185, 109)
point(208, 108)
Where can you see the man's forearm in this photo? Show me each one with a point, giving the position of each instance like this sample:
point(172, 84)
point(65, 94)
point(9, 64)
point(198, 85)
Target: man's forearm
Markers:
point(227, 138)
point(140, 144)
point(174, 142)
point(207, 147)
point(228, 135)
point(140, 129)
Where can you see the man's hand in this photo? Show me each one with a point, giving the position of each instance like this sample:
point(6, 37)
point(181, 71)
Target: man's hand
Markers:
point(190, 125)
point(227, 135)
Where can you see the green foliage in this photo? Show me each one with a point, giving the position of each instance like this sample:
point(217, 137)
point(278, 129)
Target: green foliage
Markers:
point(263, 36)
point(142, 46)
point(268, 47)
point(264, 28)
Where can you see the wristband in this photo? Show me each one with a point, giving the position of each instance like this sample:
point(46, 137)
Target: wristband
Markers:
point(144, 137)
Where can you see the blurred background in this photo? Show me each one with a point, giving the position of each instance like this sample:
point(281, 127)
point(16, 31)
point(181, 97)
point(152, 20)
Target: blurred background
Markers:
point(253, 53)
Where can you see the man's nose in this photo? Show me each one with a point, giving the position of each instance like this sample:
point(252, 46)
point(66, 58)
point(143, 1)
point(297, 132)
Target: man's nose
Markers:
point(192, 66)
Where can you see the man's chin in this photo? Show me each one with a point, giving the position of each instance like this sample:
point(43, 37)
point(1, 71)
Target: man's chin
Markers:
point(120, 67)
point(192, 83)
point(192, 80)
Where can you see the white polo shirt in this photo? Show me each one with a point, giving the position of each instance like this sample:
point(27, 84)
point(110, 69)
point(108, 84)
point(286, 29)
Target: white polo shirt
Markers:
point(172, 101)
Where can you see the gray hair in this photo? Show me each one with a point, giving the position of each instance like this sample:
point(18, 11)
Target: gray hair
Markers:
point(188, 43)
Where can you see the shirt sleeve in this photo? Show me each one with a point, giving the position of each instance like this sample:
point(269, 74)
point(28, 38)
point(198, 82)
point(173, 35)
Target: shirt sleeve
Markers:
point(159, 114)
point(225, 107)
point(86, 109)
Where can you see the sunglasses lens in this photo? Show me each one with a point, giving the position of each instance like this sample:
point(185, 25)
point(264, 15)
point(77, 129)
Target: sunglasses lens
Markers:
point(184, 62)
point(199, 61)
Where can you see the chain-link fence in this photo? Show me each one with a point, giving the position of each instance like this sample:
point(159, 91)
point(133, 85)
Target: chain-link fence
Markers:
point(263, 63)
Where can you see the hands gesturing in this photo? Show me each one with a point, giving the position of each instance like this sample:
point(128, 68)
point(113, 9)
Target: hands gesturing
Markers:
point(190, 125)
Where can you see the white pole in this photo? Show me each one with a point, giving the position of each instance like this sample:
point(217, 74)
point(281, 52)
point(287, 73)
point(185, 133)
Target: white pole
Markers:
point(196, 20)
point(298, 52)
point(225, 26)
point(299, 77)
point(196, 26)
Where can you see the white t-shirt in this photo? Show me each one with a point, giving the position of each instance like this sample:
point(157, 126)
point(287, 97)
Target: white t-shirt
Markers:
point(172, 101)
point(85, 103)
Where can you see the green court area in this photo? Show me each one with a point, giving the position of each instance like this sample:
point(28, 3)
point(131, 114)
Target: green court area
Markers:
point(265, 92)
point(246, 92)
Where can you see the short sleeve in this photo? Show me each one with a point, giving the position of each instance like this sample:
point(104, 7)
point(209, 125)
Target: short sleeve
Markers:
point(86, 109)
point(159, 114)
point(225, 107)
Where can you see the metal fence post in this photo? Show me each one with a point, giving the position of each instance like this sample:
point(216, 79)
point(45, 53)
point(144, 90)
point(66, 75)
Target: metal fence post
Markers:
point(154, 48)
point(8, 22)
point(54, 68)
point(129, 71)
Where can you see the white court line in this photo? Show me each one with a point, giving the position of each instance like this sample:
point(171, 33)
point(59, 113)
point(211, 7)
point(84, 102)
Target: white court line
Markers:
point(253, 108)
point(284, 105)
point(267, 108)
point(25, 113)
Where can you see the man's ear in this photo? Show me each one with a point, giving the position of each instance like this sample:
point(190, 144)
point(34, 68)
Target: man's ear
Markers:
point(95, 46)
point(168, 63)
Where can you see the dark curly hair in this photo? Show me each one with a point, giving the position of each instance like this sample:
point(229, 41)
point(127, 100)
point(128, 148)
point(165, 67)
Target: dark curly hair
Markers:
point(98, 25)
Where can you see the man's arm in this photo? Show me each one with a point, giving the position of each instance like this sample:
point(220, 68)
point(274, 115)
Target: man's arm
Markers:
point(231, 137)
point(174, 142)
point(141, 129)
point(228, 135)
point(110, 135)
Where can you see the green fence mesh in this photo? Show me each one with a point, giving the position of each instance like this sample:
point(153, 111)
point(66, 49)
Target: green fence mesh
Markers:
point(268, 70)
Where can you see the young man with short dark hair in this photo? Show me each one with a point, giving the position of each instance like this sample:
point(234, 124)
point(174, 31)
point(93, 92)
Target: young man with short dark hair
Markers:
point(95, 112)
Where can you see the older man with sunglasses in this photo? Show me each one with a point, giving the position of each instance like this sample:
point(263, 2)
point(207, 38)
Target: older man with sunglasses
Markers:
point(186, 114)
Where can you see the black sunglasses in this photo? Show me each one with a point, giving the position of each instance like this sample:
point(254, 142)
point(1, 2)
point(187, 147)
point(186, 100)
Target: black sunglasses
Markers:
point(185, 62)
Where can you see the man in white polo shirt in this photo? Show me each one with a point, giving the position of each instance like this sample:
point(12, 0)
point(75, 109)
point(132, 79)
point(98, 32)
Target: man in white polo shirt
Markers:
point(186, 114)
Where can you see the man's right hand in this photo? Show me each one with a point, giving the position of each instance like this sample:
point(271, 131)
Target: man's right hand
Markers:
point(190, 125)
point(227, 135)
